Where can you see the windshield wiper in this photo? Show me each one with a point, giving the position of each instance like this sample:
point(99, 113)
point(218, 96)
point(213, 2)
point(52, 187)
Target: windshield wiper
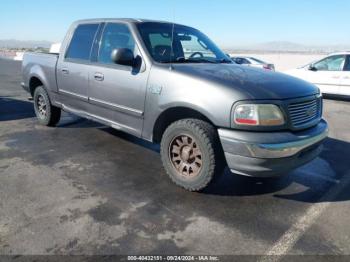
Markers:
point(197, 60)
point(203, 60)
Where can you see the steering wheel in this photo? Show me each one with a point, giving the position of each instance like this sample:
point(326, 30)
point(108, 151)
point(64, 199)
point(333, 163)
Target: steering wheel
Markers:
point(197, 53)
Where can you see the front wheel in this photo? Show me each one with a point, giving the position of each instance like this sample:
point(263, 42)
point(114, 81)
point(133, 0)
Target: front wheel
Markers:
point(47, 114)
point(191, 153)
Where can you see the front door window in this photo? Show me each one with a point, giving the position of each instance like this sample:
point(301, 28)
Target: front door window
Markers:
point(114, 36)
point(332, 63)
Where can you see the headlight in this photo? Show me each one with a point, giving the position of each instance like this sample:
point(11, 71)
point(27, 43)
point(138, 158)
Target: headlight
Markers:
point(258, 115)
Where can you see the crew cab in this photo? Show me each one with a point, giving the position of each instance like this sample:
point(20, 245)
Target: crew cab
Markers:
point(169, 84)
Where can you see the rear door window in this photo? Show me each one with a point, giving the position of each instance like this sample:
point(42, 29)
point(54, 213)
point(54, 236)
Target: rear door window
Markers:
point(81, 43)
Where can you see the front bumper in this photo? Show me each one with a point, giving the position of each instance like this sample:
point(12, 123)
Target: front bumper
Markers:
point(271, 153)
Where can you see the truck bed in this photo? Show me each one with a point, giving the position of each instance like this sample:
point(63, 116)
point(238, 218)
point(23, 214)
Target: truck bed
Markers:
point(44, 64)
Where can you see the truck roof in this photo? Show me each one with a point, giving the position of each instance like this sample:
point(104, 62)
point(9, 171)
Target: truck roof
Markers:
point(125, 20)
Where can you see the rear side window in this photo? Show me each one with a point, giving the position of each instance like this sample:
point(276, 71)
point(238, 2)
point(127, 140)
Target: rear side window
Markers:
point(81, 43)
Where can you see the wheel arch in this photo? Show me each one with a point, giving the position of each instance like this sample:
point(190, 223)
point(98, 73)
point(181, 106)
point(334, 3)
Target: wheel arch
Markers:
point(170, 115)
point(35, 82)
point(37, 77)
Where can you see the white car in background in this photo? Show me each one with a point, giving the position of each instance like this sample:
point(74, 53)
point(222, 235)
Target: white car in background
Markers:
point(252, 61)
point(331, 74)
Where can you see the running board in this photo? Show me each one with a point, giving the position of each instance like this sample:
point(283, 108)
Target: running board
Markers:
point(101, 120)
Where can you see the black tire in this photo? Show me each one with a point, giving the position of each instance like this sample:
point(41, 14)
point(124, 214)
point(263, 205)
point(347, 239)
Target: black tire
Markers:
point(47, 114)
point(178, 158)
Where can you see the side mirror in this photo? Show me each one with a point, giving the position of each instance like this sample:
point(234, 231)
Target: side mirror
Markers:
point(312, 68)
point(123, 56)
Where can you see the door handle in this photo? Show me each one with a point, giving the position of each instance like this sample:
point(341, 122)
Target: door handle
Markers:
point(99, 77)
point(65, 71)
point(336, 77)
point(346, 77)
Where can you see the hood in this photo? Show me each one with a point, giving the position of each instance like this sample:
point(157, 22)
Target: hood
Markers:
point(251, 83)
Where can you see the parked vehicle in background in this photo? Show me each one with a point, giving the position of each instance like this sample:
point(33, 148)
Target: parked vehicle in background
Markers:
point(254, 62)
point(170, 84)
point(331, 74)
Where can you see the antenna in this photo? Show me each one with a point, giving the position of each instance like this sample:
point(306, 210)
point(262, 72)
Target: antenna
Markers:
point(172, 38)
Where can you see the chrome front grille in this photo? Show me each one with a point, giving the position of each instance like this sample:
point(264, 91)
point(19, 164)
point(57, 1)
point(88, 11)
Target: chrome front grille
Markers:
point(302, 113)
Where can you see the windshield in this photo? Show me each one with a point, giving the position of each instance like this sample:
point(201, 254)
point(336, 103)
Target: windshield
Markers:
point(188, 45)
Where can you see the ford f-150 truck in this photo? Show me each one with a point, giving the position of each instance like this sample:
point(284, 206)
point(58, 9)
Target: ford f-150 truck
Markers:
point(170, 84)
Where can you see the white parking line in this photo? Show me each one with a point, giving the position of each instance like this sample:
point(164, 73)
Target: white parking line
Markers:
point(293, 234)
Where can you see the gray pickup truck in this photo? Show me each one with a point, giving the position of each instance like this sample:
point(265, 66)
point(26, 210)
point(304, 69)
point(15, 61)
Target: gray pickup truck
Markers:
point(169, 84)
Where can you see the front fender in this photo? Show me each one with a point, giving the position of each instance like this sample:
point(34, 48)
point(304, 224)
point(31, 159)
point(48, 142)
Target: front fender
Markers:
point(170, 89)
point(183, 104)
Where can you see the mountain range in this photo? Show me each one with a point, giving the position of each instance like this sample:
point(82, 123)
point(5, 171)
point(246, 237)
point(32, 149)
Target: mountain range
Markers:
point(13, 43)
point(284, 46)
point(274, 46)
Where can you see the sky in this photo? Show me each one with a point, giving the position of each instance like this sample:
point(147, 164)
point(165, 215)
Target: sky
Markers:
point(227, 22)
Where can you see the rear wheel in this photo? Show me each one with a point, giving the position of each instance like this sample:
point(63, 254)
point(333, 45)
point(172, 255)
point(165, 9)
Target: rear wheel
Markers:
point(47, 114)
point(191, 153)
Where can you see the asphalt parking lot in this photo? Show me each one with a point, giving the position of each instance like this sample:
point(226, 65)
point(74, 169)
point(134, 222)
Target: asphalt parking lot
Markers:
point(83, 188)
